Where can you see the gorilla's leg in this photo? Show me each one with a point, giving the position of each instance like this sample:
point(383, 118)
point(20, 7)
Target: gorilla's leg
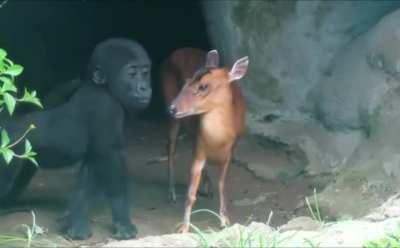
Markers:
point(7, 175)
point(76, 222)
point(110, 171)
point(18, 177)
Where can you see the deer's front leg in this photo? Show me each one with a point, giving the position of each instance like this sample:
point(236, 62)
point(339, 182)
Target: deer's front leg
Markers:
point(195, 177)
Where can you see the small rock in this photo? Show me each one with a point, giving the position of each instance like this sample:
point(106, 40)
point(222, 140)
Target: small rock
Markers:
point(169, 240)
point(253, 201)
point(390, 209)
point(301, 223)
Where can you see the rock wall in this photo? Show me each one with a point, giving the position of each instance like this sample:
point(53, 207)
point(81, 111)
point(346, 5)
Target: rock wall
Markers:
point(290, 43)
point(323, 78)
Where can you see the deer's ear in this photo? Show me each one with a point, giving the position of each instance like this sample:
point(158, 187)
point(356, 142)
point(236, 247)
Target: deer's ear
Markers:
point(212, 60)
point(239, 69)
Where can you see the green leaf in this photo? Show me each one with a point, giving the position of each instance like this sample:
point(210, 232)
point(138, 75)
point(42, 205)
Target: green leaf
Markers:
point(10, 102)
point(31, 154)
point(28, 146)
point(3, 54)
point(5, 140)
point(37, 102)
point(10, 63)
point(14, 70)
point(8, 154)
point(33, 160)
point(31, 98)
point(8, 84)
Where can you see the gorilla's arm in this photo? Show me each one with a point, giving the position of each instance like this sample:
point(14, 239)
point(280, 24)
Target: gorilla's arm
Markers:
point(105, 162)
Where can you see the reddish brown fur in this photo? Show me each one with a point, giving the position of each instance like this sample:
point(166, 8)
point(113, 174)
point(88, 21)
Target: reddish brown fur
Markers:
point(221, 108)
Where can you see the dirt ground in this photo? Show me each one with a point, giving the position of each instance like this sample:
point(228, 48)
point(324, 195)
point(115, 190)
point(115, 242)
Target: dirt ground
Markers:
point(249, 198)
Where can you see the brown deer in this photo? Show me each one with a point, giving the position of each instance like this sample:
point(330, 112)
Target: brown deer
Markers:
point(181, 64)
point(214, 96)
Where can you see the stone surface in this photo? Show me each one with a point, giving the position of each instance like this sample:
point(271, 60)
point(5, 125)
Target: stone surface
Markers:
point(320, 68)
point(253, 201)
point(290, 43)
point(323, 81)
point(390, 209)
point(340, 234)
point(170, 240)
point(303, 223)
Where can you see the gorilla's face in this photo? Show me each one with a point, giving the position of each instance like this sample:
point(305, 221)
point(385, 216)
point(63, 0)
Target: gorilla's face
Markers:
point(132, 84)
point(124, 66)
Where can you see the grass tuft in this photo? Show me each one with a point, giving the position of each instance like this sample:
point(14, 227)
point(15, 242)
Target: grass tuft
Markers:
point(314, 210)
point(242, 237)
point(28, 239)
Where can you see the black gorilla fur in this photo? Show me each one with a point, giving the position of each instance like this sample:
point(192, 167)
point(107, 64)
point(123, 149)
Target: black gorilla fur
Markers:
point(88, 128)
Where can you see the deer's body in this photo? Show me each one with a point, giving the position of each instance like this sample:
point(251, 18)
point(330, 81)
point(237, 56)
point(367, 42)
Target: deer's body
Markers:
point(179, 66)
point(220, 127)
point(214, 96)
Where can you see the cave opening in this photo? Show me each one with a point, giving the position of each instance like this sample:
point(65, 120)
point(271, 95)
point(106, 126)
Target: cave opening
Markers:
point(53, 40)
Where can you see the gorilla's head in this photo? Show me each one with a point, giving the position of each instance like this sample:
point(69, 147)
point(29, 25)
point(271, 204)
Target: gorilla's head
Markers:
point(124, 66)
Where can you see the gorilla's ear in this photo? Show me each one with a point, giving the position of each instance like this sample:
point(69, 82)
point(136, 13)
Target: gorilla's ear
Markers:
point(98, 76)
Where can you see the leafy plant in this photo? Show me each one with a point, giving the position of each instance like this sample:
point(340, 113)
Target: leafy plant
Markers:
point(390, 240)
point(9, 99)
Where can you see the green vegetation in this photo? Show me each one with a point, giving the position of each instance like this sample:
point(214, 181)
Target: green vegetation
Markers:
point(242, 236)
point(262, 235)
point(314, 208)
point(9, 99)
point(311, 243)
point(390, 240)
point(28, 238)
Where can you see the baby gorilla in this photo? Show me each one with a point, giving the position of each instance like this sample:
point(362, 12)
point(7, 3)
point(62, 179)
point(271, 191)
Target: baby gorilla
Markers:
point(88, 128)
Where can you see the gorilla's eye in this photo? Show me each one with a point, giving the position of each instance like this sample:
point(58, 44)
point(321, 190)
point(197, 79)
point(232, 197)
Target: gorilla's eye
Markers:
point(145, 72)
point(203, 87)
point(133, 73)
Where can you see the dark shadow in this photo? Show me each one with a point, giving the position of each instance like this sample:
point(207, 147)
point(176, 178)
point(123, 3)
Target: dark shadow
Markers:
point(53, 39)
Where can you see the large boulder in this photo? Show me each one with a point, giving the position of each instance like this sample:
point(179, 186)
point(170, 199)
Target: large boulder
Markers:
point(290, 43)
point(317, 70)
point(367, 85)
point(360, 76)
point(324, 80)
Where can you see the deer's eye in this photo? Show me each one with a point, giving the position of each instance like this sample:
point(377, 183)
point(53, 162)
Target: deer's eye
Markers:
point(203, 87)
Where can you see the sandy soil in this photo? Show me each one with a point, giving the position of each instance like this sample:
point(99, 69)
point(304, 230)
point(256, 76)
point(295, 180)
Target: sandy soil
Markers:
point(249, 198)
